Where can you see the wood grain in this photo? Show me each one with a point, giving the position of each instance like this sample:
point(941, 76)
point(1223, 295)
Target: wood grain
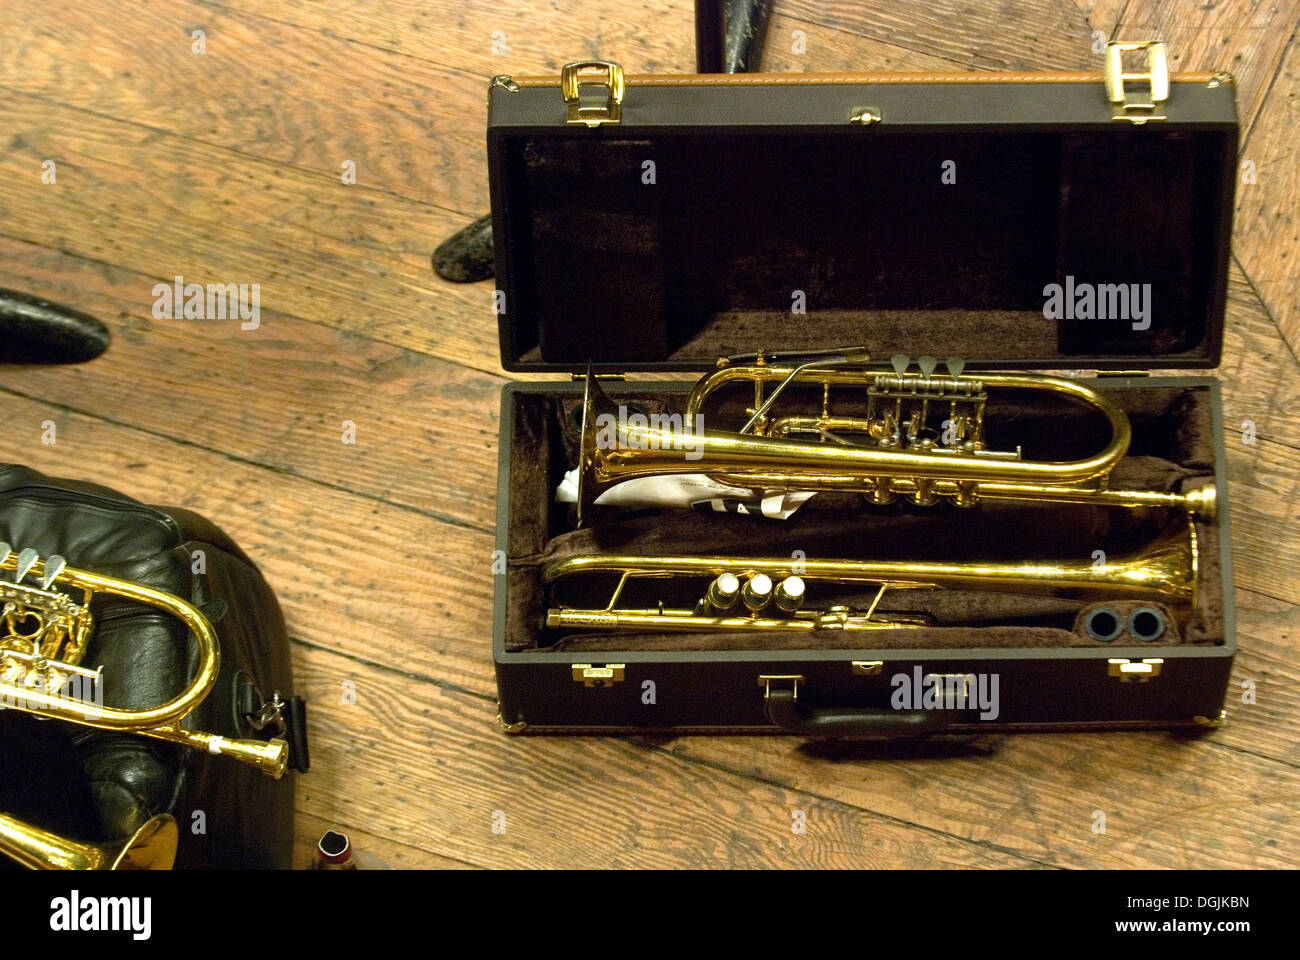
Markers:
point(225, 167)
point(1268, 229)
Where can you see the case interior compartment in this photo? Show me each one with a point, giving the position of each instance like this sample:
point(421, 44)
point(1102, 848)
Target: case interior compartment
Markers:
point(1173, 447)
point(705, 261)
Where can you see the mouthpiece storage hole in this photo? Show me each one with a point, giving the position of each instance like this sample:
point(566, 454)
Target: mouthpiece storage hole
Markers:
point(1103, 624)
point(1147, 624)
point(333, 844)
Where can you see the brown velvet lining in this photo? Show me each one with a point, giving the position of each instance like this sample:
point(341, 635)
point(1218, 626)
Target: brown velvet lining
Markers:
point(805, 240)
point(1172, 448)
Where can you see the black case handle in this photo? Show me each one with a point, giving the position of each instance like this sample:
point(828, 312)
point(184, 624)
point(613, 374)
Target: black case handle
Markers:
point(783, 710)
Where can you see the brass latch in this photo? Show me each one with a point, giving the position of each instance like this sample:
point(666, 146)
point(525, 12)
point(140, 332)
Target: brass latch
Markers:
point(1139, 670)
point(766, 680)
point(590, 676)
point(1126, 103)
point(868, 668)
point(593, 113)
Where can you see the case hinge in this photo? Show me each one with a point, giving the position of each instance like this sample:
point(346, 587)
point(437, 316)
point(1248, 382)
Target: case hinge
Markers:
point(1136, 105)
point(592, 676)
point(1124, 373)
point(1139, 670)
point(593, 113)
point(577, 377)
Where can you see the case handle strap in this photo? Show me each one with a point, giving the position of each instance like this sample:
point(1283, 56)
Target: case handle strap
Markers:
point(782, 709)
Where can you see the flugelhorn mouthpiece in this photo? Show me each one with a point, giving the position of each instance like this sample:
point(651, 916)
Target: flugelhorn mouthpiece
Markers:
point(269, 756)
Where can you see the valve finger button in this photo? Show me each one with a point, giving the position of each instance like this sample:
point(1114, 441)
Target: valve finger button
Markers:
point(757, 592)
point(724, 591)
point(790, 594)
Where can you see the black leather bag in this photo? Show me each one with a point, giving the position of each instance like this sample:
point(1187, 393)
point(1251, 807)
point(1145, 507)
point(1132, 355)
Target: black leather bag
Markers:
point(95, 785)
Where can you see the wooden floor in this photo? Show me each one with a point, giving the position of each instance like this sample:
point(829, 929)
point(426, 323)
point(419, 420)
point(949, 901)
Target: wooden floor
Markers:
point(225, 167)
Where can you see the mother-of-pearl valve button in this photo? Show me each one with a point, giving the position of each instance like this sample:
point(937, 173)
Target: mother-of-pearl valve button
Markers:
point(757, 592)
point(789, 594)
point(724, 591)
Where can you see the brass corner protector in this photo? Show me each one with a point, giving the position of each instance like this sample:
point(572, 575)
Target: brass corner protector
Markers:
point(516, 727)
point(1211, 721)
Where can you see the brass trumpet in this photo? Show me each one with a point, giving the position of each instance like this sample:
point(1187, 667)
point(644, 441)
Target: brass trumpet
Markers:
point(768, 594)
point(152, 847)
point(894, 450)
point(43, 635)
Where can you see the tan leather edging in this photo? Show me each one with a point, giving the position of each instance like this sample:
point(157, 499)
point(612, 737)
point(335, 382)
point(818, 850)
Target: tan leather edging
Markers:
point(779, 79)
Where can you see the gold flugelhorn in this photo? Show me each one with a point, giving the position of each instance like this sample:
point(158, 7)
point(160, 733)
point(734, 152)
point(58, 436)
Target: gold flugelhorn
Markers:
point(43, 635)
point(1165, 570)
point(897, 451)
point(152, 847)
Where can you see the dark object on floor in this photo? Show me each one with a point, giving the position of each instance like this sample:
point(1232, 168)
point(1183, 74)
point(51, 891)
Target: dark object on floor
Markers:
point(746, 31)
point(100, 785)
point(37, 331)
point(466, 256)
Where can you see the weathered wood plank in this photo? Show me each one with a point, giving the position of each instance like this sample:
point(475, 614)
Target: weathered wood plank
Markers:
point(1244, 37)
point(410, 126)
point(1031, 35)
point(278, 395)
point(319, 250)
point(1267, 229)
point(437, 771)
point(397, 854)
point(383, 584)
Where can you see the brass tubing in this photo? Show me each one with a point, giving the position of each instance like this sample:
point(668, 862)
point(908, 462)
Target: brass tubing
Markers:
point(162, 722)
point(1201, 501)
point(152, 847)
point(1164, 570)
point(777, 463)
point(108, 718)
point(684, 621)
point(761, 463)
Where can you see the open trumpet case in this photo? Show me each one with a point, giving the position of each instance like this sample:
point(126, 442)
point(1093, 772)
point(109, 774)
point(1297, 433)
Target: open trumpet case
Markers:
point(908, 225)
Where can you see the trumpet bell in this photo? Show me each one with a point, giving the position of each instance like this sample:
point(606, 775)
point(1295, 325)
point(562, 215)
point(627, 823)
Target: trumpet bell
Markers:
point(152, 847)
